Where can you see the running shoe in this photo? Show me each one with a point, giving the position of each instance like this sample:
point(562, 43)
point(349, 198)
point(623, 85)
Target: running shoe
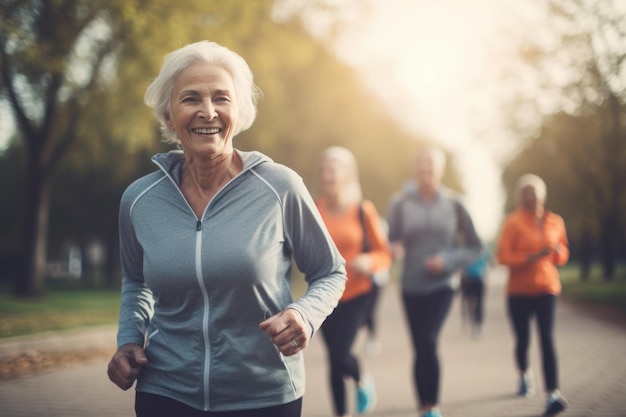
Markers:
point(365, 395)
point(433, 412)
point(526, 385)
point(556, 403)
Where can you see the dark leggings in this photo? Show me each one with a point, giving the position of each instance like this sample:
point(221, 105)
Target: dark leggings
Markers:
point(151, 405)
point(340, 330)
point(521, 310)
point(370, 319)
point(426, 315)
point(473, 292)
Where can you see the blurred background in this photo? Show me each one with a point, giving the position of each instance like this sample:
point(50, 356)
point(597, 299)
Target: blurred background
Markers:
point(505, 87)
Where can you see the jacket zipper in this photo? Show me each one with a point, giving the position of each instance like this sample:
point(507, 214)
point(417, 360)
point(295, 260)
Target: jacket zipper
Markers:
point(205, 314)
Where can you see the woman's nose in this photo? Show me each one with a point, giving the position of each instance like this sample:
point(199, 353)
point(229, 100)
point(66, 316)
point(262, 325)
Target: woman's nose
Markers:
point(208, 110)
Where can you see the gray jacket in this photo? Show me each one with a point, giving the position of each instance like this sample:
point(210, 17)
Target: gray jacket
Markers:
point(441, 227)
point(194, 290)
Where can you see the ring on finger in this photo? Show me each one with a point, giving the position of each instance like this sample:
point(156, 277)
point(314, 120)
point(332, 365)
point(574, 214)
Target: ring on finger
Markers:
point(293, 343)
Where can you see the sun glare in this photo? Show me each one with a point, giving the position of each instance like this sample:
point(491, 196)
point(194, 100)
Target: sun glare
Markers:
point(433, 59)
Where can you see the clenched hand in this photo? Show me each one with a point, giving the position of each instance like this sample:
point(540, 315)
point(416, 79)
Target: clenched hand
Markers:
point(125, 365)
point(287, 331)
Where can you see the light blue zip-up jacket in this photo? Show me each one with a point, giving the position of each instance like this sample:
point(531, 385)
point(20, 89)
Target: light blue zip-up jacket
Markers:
point(194, 290)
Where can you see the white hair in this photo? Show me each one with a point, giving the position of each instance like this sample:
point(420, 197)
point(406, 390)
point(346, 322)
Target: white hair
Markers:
point(348, 161)
point(159, 92)
point(534, 181)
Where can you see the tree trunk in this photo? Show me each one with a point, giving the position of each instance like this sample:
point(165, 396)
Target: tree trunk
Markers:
point(611, 221)
point(608, 230)
point(586, 254)
point(31, 281)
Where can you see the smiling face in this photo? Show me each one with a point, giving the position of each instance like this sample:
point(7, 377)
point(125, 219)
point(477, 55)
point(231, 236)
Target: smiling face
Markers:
point(203, 110)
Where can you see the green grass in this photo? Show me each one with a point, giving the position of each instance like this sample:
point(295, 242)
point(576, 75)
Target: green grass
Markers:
point(69, 305)
point(596, 290)
point(64, 306)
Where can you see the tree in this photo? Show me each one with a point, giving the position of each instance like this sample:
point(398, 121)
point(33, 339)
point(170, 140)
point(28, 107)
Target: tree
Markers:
point(11, 221)
point(579, 99)
point(55, 56)
point(74, 73)
point(563, 154)
point(51, 56)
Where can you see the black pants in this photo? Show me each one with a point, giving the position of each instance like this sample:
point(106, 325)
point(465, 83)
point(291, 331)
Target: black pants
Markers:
point(370, 319)
point(426, 315)
point(473, 291)
point(521, 310)
point(151, 405)
point(340, 330)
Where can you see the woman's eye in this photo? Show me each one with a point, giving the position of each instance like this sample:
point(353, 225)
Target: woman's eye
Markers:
point(222, 99)
point(189, 100)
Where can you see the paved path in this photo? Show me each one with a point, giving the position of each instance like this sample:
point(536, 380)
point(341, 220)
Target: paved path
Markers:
point(478, 375)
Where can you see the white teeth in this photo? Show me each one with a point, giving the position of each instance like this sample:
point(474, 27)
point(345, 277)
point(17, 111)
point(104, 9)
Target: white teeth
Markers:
point(205, 131)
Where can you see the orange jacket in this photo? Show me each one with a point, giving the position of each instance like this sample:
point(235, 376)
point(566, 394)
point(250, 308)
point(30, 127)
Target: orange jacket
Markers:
point(522, 237)
point(347, 233)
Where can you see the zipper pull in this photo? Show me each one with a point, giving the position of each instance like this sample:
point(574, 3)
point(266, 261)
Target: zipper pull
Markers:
point(199, 225)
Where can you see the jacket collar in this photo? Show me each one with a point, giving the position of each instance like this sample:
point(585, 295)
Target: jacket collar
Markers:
point(171, 162)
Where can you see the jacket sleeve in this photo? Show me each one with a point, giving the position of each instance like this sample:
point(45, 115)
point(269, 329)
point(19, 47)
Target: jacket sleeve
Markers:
point(505, 253)
point(137, 305)
point(459, 257)
point(315, 255)
point(562, 256)
point(394, 219)
point(380, 252)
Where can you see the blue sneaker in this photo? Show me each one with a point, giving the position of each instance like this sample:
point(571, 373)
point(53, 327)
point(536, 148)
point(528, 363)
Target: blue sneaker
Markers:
point(433, 412)
point(365, 395)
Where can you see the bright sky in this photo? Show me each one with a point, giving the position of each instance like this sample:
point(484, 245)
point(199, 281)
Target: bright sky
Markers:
point(430, 61)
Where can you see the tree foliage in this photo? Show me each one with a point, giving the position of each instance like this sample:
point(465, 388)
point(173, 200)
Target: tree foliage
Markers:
point(74, 73)
point(580, 146)
point(51, 56)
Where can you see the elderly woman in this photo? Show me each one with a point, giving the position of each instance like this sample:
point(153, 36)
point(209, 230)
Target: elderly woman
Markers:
point(355, 226)
point(426, 221)
point(533, 242)
point(207, 324)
